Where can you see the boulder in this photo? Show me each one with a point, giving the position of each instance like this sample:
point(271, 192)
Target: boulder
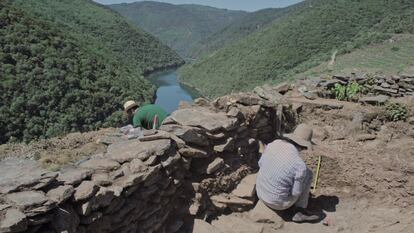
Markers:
point(215, 165)
point(60, 193)
point(100, 164)
point(170, 161)
point(137, 166)
point(192, 136)
point(246, 187)
point(22, 174)
point(27, 200)
point(85, 191)
point(204, 118)
point(13, 221)
point(127, 151)
point(263, 214)
point(73, 176)
point(375, 100)
point(201, 102)
point(282, 88)
point(102, 179)
point(201, 226)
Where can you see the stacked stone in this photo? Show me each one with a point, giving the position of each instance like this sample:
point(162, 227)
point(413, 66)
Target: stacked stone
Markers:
point(132, 188)
point(221, 140)
point(197, 164)
point(395, 85)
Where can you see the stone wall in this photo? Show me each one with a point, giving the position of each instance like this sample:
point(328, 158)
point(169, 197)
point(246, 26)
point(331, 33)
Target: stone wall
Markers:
point(190, 168)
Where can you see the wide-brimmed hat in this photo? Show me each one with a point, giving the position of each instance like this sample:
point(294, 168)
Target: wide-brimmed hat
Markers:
point(129, 104)
point(302, 136)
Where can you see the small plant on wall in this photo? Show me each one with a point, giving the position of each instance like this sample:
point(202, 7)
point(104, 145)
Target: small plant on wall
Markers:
point(346, 92)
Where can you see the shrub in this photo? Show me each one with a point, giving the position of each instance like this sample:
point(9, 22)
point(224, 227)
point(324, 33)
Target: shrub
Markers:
point(396, 112)
point(346, 92)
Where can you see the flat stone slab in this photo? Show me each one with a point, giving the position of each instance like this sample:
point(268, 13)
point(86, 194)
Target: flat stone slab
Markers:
point(27, 199)
point(380, 99)
point(204, 118)
point(13, 221)
point(100, 164)
point(19, 174)
point(263, 214)
point(127, 151)
point(73, 176)
point(246, 187)
point(231, 200)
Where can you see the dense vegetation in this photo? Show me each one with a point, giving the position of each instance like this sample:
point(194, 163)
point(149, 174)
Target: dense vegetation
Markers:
point(297, 41)
point(179, 26)
point(239, 29)
point(68, 66)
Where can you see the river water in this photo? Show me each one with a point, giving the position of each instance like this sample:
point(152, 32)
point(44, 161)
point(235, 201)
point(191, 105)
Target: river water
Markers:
point(169, 91)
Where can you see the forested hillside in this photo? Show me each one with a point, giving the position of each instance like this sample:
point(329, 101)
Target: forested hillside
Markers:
point(68, 65)
point(239, 29)
point(297, 41)
point(178, 26)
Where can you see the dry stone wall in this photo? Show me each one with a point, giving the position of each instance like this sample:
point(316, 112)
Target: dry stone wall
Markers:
point(191, 168)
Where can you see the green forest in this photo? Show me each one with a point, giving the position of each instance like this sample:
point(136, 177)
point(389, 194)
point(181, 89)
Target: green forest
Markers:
point(68, 66)
point(296, 41)
point(178, 26)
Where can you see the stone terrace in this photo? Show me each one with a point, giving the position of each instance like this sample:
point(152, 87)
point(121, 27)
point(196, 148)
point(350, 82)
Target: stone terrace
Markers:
point(196, 166)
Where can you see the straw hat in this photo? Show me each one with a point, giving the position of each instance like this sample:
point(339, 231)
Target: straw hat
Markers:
point(129, 104)
point(302, 136)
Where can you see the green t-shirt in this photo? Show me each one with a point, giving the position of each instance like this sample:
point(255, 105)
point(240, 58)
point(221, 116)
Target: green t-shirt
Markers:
point(145, 115)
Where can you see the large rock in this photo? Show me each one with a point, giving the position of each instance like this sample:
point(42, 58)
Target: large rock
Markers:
point(19, 174)
point(204, 118)
point(27, 199)
point(232, 224)
point(263, 214)
point(246, 187)
point(73, 176)
point(201, 226)
point(13, 221)
point(127, 151)
point(375, 100)
point(85, 191)
point(100, 164)
point(61, 193)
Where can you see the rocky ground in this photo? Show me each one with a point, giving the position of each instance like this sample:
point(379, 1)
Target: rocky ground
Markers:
point(366, 182)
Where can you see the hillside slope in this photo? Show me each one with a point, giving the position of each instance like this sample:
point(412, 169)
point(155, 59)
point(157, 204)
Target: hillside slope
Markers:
point(68, 65)
point(298, 41)
point(178, 26)
point(239, 29)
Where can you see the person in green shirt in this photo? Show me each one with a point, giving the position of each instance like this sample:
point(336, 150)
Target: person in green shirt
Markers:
point(147, 116)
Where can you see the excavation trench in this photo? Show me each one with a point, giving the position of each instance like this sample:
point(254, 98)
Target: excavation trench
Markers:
point(159, 183)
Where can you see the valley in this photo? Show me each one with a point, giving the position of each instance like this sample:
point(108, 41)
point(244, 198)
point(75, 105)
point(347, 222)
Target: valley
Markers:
point(328, 82)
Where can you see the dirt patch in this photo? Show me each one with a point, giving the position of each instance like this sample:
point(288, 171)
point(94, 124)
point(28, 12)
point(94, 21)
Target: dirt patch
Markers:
point(56, 152)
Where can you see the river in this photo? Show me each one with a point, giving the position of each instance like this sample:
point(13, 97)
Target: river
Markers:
point(169, 91)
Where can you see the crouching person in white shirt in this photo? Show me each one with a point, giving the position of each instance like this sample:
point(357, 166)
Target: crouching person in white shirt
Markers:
point(283, 180)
